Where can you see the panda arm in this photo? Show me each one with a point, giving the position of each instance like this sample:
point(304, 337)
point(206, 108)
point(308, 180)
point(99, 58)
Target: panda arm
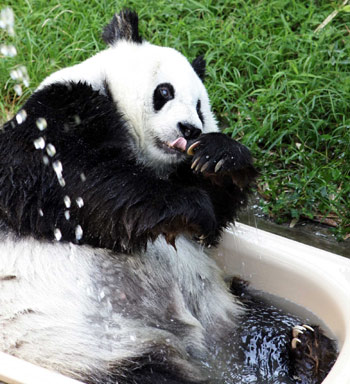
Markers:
point(124, 205)
point(223, 168)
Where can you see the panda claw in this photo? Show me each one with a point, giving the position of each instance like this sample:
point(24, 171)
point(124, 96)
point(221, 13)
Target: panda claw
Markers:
point(296, 331)
point(308, 327)
point(295, 342)
point(300, 328)
point(205, 166)
point(195, 163)
point(198, 166)
point(219, 165)
point(190, 150)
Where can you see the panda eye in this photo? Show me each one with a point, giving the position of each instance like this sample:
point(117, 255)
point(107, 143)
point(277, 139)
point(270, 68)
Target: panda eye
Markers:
point(162, 94)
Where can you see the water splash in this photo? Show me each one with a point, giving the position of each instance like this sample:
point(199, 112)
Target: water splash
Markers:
point(67, 201)
point(78, 232)
point(51, 150)
point(46, 160)
point(57, 167)
point(8, 50)
point(21, 116)
point(39, 143)
point(20, 74)
point(58, 234)
point(80, 202)
point(41, 123)
point(7, 20)
point(18, 89)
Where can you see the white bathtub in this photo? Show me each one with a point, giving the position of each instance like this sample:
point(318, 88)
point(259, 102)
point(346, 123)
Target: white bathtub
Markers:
point(315, 279)
point(308, 276)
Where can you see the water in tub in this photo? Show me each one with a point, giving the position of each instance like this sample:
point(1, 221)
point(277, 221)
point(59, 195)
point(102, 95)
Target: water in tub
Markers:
point(258, 350)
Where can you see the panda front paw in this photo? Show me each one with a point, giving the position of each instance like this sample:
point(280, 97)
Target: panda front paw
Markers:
point(215, 155)
point(190, 211)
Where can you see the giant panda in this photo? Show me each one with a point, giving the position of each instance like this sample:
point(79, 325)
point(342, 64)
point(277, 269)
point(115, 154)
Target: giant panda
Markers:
point(115, 184)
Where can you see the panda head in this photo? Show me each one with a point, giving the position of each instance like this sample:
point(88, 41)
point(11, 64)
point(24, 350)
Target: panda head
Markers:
point(159, 92)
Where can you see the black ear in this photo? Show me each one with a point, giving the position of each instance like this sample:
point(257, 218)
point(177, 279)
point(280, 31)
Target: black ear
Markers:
point(124, 25)
point(198, 65)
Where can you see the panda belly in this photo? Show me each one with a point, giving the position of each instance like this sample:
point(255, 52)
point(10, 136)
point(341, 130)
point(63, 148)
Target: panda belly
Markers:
point(80, 310)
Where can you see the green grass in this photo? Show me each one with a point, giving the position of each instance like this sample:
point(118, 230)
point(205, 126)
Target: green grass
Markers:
point(274, 84)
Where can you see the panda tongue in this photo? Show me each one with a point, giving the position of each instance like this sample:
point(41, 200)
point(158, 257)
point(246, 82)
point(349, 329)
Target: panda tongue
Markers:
point(179, 143)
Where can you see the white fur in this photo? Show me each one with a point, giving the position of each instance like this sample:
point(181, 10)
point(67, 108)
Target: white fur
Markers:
point(133, 71)
point(65, 307)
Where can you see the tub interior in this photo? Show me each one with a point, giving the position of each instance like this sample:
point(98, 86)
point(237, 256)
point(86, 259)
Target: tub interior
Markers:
point(309, 277)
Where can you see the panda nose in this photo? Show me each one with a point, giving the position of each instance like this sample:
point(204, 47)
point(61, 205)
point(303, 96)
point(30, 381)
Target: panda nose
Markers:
point(189, 131)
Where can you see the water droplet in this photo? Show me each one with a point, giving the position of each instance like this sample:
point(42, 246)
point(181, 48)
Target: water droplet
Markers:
point(67, 214)
point(23, 74)
point(51, 150)
point(7, 20)
point(79, 233)
point(21, 116)
point(46, 160)
point(67, 201)
point(57, 167)
point(8, 50)
point(18, 89)
point(41, 123)
point(58, 234)
point(80, 202)
point(39, 143)
point(14, 74)
point(77, 119)
point(41, 213)
point(101, 294)
point(83, 177)
point(61, 181)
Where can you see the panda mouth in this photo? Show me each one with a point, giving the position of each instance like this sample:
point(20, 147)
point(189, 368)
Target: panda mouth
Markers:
point(176, 147)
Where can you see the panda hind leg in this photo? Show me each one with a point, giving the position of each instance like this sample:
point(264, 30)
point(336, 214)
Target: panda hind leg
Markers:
point(312, 354)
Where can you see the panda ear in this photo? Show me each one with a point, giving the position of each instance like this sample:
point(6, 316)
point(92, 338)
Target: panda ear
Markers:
point(123, 26)
point(198, 65)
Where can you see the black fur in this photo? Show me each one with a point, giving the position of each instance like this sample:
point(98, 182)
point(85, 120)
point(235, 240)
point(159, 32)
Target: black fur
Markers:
point(160, 98)
point(124, 25)
point(199, 111)
point(125, 203)
point(219, 157)
point(198, 65)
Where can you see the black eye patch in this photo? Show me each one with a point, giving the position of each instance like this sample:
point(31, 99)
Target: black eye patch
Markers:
point(162, 94)
point(199, 111)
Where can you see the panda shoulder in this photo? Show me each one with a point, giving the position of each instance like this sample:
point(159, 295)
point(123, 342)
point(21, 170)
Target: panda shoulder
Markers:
point(76, 109)
point(70, 96)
